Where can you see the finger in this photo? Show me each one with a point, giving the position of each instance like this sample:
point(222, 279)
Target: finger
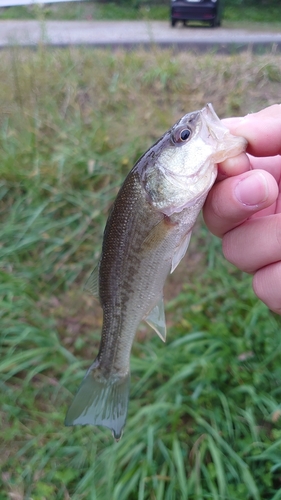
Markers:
point(254, 244)
point(244, 162)
point(271, 164)
point(267, 286)
point(233, 166)
point(235, 199)
point(262, 130)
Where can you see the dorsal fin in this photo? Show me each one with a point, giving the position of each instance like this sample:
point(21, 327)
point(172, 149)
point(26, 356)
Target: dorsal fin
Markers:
point(92, 283)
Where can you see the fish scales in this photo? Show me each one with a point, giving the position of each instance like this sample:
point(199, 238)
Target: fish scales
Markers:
point(146, 236)
point(134, 266)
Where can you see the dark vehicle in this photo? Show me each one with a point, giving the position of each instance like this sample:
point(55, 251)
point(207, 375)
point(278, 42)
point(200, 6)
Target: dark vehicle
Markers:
point(196, 10)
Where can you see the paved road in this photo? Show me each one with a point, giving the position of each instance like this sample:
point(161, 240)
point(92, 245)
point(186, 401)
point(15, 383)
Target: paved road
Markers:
point(130, 34)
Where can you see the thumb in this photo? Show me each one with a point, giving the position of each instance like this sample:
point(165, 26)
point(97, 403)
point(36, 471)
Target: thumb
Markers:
point(235, 199)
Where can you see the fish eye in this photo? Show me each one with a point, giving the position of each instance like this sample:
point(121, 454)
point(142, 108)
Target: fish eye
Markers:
point(181, 135)
point(184, 135)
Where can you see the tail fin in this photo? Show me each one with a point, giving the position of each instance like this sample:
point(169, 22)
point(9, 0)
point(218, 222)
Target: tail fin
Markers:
point(101, 401)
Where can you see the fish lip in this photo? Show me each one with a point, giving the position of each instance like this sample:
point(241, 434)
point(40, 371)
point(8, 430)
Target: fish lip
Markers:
point(208, 110)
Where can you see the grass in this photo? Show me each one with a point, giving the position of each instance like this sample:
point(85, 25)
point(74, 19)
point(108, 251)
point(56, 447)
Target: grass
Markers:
point(86, 10)
point(204, 415)
point(234, 16)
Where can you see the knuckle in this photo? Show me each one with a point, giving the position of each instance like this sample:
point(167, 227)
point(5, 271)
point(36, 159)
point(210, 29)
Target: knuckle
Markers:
point(227, 247)
point(267, 286)
point(277, 229)
point(259, 286)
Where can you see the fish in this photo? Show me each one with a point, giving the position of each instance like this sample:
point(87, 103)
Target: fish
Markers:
point(146, 236)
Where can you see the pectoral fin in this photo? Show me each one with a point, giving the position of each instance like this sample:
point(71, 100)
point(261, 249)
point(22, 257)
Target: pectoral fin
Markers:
point(156, 319)
point(92, 284)
point(157, 233)
point(180, 251)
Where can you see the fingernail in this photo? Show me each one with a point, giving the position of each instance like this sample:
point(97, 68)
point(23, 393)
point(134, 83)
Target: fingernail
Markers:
point(252, 190)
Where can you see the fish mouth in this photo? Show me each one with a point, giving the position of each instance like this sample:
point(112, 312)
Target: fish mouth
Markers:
point(208, 111)
point(212, 122)
point(216, 133)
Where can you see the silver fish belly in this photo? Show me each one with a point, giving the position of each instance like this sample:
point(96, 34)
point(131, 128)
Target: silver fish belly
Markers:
point(146, 236)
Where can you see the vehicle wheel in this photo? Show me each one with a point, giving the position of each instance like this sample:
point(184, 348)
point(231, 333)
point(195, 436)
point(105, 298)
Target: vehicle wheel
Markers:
point(173, 22)
point(216, 22)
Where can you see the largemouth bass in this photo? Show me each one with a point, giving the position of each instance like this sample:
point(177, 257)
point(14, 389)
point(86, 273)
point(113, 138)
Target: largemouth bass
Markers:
point(145, 238)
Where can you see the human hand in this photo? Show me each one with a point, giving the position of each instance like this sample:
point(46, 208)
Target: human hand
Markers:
point(244, 206)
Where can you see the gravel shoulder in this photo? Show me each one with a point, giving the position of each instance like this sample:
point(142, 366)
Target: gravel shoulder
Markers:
point(130, 33)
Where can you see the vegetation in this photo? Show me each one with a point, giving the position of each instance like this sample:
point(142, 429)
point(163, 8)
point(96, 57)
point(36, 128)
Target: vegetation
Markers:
point(204, 416)
point(235, 12)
